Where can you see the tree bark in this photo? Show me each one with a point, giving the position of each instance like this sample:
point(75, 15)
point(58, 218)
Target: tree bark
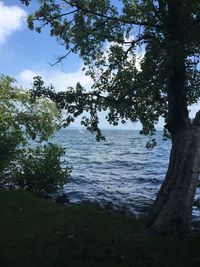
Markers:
point(172, 209)
point(176, 56)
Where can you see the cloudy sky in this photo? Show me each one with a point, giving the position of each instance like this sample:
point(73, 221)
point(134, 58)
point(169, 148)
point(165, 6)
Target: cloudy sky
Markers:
point(25, 53)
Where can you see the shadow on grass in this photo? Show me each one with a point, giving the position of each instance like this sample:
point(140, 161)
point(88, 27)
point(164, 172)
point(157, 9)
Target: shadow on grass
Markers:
point(37, 232)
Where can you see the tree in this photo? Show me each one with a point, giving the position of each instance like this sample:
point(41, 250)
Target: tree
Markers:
point(26, 123)
point(167, 83)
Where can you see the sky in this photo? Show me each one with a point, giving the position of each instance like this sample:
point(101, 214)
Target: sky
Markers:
point(25, 54)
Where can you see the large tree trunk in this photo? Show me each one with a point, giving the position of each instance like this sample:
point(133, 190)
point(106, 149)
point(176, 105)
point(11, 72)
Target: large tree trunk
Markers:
point(172, 209)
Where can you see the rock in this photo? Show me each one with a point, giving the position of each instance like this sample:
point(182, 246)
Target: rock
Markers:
point(62, 199)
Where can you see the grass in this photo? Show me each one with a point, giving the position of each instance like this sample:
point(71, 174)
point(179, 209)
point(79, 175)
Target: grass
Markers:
point(35, 232)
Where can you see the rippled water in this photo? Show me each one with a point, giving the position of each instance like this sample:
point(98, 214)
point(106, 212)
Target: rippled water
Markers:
point(118, 172)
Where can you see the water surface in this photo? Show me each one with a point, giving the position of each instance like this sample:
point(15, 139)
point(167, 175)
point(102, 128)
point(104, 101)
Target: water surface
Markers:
point(119, 172)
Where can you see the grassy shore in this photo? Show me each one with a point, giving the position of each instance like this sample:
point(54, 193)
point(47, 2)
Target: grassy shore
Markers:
point(37, 232)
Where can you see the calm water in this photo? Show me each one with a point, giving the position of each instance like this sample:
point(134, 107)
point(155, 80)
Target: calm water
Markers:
point(119, 172)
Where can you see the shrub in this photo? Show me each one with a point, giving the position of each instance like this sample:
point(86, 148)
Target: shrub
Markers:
point(25, 122)
point(40, 169)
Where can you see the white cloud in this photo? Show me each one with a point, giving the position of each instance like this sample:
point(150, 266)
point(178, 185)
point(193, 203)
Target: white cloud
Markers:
point(59, 79)
point(11, 19)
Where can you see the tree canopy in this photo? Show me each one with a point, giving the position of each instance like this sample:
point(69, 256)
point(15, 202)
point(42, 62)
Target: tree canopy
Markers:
point(110, 36)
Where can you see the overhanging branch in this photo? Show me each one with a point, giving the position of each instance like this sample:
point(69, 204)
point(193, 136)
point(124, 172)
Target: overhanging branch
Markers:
point(117, 19)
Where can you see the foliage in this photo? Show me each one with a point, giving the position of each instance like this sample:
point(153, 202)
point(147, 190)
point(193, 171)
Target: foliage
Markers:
point(39, 169)
point(109, 37)
point(26, 122)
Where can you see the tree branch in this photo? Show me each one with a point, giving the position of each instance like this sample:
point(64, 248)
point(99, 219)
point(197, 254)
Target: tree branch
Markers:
point(134, 42)
point(117, 19)
point(60, 58)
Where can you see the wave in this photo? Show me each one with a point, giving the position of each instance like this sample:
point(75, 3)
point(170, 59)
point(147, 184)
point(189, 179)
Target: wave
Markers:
point(120, 172)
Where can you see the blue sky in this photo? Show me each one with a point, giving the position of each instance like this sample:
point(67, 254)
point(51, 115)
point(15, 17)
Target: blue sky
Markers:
point(26, 53)
point(25, 49)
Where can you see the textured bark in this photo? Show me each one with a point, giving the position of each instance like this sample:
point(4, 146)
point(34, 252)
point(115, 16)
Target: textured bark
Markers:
point(172, 209)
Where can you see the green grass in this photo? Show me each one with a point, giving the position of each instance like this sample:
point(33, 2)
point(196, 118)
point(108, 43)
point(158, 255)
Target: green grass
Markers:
point(37, 232)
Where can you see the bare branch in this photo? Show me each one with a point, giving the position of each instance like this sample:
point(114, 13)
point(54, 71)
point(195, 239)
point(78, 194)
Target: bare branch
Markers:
point(61, 58)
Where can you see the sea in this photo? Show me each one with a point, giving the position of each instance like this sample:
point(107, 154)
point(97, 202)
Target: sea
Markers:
point(119, 173)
